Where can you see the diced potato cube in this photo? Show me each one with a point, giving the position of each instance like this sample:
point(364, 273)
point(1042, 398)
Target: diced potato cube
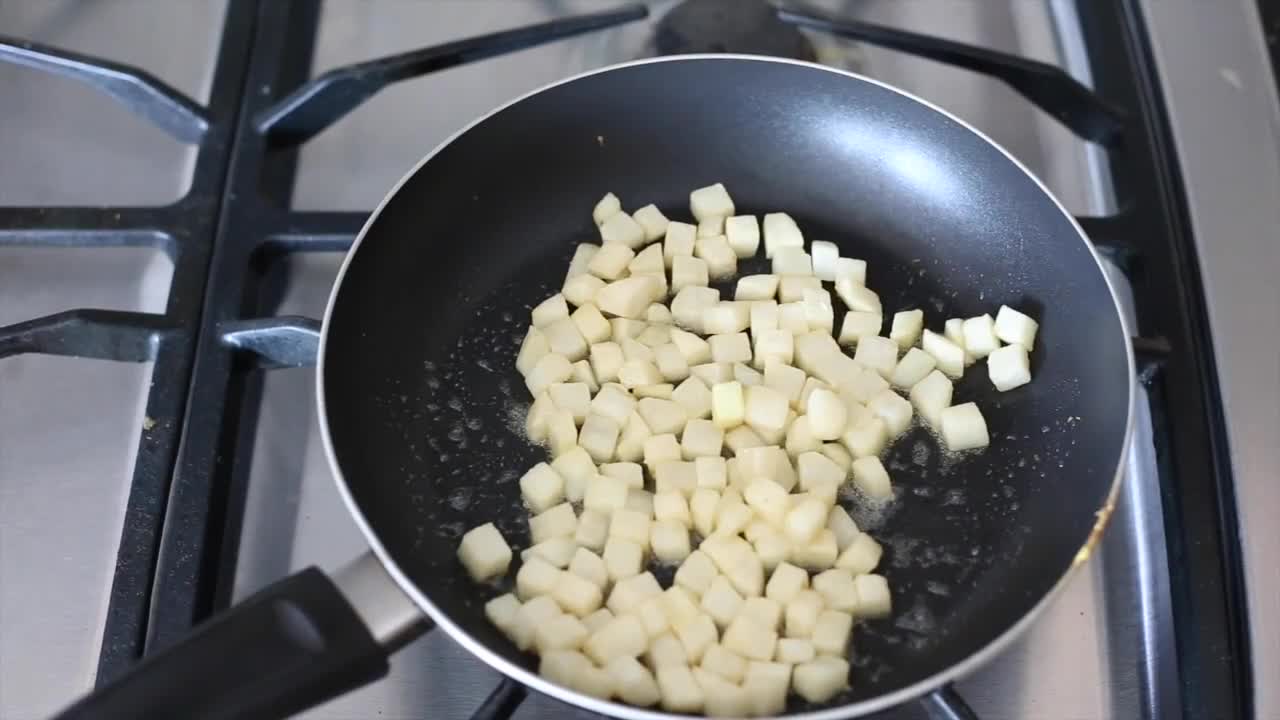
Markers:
point(792, 261)
point(631, 525)
point(606, 359)
point(550, 368)
point(765, 611)
point(713, 373)
point(950, 356)
point(743, 234)
point(756, 288)
point(675, 476)
point(780, 376)
point(801, 613)
point(712, 201)
point(728, 405)
point(670, 541)
point(680, 692)
point(562, 433)
point(635, 373)
point(747, 575)
point(818, 312)
point(768, 462)
point(767, 499)
point(710, 472)
point(703, 505)
point(662, 416)
point(791, 289)
point(599, 437)
point(721, 601)
point(1009, 367)
point(732, 516)
point(558, 551)
point(953, 330)
point(671, 363)
point(640, 501)
point(857, 297)
point(843, 527)
point(1015, 328)
point(593, 326)
point(837, 589)
point(794, 651)
point(825, 257)
point(530, 617)
point(607, 207)
point(679, 605)
point(536, 577)
point(963, 427)
point(593, 529)
point(628, 297)
point(721, 260)
point(852, 270)
point(980, 338)
point(696, 636)
point(631, 443)
point(710, 227)
point(624, 636)
point(542, 488)
point(582, 289)
point(726, 317)
point(550, 310)
point(694, 349)
point(766, 409)
point(574, 397)
point(865, 385)
point(867, 438)
point(688, 271)
point(741, 438)
point(665, 650)
point(623, 558)
point(605, 494)
point(611, 262)
point(728, 665)
point(874, 600)
point(764, 316)
point(694, 396)
point(653, 337)
point(820, 679)
point(817, 471)
point(589, 566)
point(688, 304)
point(678, 241)
point(893, 409)
point(912, 368)
point(532, 349)
point(766, 684)
point(502, 612)
point(750, 639)
point(630, 472)
point(773, 549)
point(562, 632)
point(877, 353)
point(871, 478)
point(672, 505)
point(558, 521)
point(621, 328)
point(819, 554)
point(931, 396)
point(858, 325)
point(827, 415)
point(735, 347)
point(652, 220)
point(838, 455)
point(906, 327)
point(659, 449)
point(780, 231)
point(621, 228)
point(630, 592)
point(701, 438)
point(805, 519)
point(565, 667)
point(696, 573)
point(484, 552)
point(597, 619)
point(861, 556)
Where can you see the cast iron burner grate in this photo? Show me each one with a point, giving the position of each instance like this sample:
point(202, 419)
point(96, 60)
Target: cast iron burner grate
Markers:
point(180, 536)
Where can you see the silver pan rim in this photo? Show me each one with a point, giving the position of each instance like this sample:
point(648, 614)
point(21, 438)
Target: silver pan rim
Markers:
point(628, 712)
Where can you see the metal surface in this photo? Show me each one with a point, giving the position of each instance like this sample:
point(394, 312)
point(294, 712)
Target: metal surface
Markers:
point(391, 616)
point(1221, 94)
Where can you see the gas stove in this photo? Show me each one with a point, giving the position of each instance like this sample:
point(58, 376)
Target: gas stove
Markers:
point(178, 182)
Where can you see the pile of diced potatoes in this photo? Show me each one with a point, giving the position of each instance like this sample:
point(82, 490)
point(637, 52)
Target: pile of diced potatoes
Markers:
point(716, 435)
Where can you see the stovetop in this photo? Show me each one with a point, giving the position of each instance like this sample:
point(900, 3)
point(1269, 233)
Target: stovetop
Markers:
point(157, 463)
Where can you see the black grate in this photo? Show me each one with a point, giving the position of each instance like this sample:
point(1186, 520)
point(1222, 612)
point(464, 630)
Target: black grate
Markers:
point(180, 538)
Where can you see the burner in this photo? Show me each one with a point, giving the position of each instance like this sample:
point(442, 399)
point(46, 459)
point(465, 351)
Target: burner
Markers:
point(729, 26)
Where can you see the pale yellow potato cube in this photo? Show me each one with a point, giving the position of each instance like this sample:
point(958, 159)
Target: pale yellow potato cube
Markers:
point(605, 494)
point(710, 472)
point(589, 566)
point(592, 530)
point(688, 304)
point(562, 632)
point(701, 438)
point(805, 518)
point(696, 636)
point(735, 347)
point(877, 353)
point(964, 428)
point(893, 409)
point(666, 650)
point(766, 409)
point(747, 375)
point(747, 574)
point(831, 634)
point(765, 611)
point(768, 500)
point(541, 488)
point(629, 472)
point(621, 228)
point(659, 314)
point(794, 651)
point(703, 504)
point(843, 527)
point(819, 554)
point(640, 501)
point(607, 207)
point(791, 261)
point(550, 368)
point(726, 317)
point(837, 589)
point(678, 241)
point(613, 402)
point(766, 685)
point(694, 396)
point(695, 350)
point(484, 552)
point(565, 667)
point(632, 682)
point(953, 330)
point(670, 541)
point(710, 202)
point(597, 619)
point(817, 471)
point(610, 263)
point(768, 462)
point(599, 437)
point(662, 416)
point(558, 551)
point(906, 327)
point(871, 478)
point(858, 325)
point(756, 287)
point(631, 442)
point(532, 349)
point(722, 262)
point(772, 549)
point(728, 405)
point(866, 439)
point(530, 617)
point(688, 271)
point(630, 525)
point(865, 385)
point(780, 231)
point(628, 297)
point(862, 556)
point(582, 289)
point(931, 396)
point(574, 397)
point(874, 600)
point(764, 316)
point(791, 290)
point(820, 679)
point(1009, 367)
point(725, 663)
point(671, 363)
point(721, 602)
point(742, 437)
point(562, 432)
point(801, 614)
point(502, 611)
point(679, 605)
point(652, 616)
point(538, 421)
point(819, 314)
point(673, 506)
point(606, 360)
point(635, 373)
point(557, 521)
point(675, 476)
point(713, 373)
point(1015, 328)
point(750, 639)
point(550, 310)
point(626, 329)
point(654, 337)
point(680, 692)
point(653, 222)
point(659, 449)
point(624, 636)
point(857, 297)
point(837, 454)
point(912, 368)
point(709, 228)
point(980, 338)
point(743, 234)
point(950, 356)
point(536, 577)
point(623, 558)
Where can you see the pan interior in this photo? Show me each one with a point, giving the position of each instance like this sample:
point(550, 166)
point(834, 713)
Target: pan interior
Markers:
point(425, 406)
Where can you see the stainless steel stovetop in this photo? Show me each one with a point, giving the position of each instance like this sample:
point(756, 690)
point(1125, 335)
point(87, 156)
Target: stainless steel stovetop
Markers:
point(68, 428)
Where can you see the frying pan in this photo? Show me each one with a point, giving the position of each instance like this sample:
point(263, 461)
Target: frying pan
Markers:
point(419, 399)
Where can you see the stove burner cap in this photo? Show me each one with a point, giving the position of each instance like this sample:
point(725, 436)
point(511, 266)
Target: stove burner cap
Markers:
point(729, 26)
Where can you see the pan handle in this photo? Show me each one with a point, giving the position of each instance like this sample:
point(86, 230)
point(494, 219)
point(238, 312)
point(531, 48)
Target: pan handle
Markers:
point(290, 646)
point(946, 704)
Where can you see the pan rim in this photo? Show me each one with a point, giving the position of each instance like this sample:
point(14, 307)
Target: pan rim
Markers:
point(507, 668)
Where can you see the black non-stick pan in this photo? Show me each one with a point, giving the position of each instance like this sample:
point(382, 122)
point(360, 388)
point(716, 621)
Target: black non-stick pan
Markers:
point(420, 400)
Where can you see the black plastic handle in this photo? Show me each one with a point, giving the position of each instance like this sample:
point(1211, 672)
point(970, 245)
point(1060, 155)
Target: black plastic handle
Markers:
point(289, 647)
